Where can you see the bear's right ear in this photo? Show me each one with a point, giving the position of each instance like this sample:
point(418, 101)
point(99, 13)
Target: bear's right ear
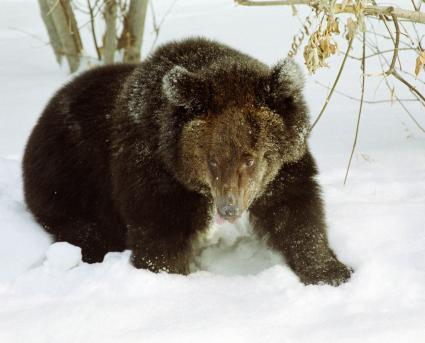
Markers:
point(287, 79)
point(184, 88)
point(287, 100)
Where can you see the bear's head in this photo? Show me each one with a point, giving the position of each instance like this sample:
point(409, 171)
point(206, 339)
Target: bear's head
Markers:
point(241, 123)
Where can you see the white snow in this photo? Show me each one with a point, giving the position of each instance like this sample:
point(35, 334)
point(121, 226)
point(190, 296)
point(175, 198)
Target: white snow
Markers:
point(242, 292)
point(62, 255)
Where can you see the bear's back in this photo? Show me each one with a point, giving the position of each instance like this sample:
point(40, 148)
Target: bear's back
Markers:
point(196, 53)
point(68, 150)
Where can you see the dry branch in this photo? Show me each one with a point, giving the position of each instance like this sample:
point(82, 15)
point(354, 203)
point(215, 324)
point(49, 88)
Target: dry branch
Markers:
point(366, 101)
point(328, 98)
point(414, 16)
point(382, 58)
point(93, 30)
point(356, 136)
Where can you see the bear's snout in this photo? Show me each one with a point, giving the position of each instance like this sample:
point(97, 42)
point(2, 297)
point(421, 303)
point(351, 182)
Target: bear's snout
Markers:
point(228, 207)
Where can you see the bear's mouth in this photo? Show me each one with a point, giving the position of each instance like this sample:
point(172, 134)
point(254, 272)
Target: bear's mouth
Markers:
point(220, 219)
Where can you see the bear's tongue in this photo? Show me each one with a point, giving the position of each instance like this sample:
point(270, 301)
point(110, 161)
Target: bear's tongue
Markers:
point(219, 219)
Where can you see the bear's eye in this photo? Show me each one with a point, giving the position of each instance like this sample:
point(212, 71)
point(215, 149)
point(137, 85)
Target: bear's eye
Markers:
point(213, 163)
point(249, 162)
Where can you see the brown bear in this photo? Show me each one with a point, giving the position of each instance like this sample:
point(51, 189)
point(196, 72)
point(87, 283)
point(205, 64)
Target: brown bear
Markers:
point(142, 157)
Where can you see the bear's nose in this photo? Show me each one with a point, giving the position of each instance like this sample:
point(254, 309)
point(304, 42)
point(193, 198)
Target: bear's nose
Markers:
point(229, 211)
point(228, 208)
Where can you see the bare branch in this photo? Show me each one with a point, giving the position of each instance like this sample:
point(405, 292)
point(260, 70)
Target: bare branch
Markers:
point(350, 43)
point(415, 16)
point(385, 78)
point(156, 26)
point(381, 52)
point(93, 30)
point(391, 69)
point(412, 88)
point(370, 102)
point(414, 5)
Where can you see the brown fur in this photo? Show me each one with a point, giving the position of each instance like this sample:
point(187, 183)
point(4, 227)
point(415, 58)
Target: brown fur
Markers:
point(231, 139)
point(141, 156)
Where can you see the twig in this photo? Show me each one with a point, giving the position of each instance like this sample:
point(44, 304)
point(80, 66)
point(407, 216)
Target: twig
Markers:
point(79, 7)
point(29, 34)
point(420, 127)
point(93, 31)
point(385, 78)
point(381, 52)
point(413, 75)
point(412, 88)
point(363, 68)
point(391, 69)
point(414, 5)
point(388, 37)
point(156, 26)
point(53, 7)
point(371, 102)
point(350, 43)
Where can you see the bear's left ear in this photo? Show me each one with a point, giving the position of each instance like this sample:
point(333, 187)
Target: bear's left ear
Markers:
point(184, 88)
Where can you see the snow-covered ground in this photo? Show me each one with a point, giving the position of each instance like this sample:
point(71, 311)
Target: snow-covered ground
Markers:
point(242, 292)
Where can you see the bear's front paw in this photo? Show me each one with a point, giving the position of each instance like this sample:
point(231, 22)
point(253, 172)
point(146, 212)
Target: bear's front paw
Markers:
point(156, 264)
point(332, 272)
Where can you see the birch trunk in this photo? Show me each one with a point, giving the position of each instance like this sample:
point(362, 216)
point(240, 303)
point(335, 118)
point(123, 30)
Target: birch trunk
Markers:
point(54, 38)
point(110, 41)
point(136, 24)
point(67, 30)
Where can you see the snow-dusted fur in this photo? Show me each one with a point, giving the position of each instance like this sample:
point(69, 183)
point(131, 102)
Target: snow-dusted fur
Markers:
point(118, 160)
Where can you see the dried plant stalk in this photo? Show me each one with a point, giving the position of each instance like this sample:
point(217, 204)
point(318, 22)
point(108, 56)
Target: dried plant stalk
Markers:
point(363, 68)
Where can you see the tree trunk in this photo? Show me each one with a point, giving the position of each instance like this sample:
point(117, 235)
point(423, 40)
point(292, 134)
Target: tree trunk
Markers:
point(110, 40)
point(67, 30)
point(54, 39)
point(136, 24)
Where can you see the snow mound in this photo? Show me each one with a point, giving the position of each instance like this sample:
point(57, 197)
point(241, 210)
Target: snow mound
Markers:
point(62, 255)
